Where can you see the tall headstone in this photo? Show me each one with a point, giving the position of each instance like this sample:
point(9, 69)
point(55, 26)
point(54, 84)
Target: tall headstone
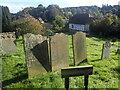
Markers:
point(106, 50)
point(79, 47)
point(59, 51)
point(7, 42)
point(37, 56)
point(0, 68)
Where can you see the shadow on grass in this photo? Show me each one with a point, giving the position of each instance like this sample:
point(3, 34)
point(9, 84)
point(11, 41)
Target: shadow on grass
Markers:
point(14, 80)
point(96, 60)
point(117, 69)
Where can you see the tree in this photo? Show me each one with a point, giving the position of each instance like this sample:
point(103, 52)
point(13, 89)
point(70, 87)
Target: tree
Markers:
point(119, 12)
point(53, 11)
point(58, 23)
point(51, 14)
point(105, 27)
point(6, 19)
point(27, 24)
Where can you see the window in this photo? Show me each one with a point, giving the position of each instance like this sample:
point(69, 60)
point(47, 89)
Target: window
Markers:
point(72, 26)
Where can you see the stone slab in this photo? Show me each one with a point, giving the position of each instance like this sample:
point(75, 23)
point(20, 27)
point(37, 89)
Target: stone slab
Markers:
point(37, 57)
point(59, 51)
point(106, 50)
point(7, 43)
point(79, 47)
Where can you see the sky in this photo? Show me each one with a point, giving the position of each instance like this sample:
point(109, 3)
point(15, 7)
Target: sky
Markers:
point(17, 5)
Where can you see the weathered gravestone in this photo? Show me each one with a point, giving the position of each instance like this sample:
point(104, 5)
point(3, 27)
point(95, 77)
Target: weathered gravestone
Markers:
point(79, 47)
point(106, 50)
point(7, 41)
point(0, 68)
point(59, 51)
point(118, 51)
point(0, 80)
point(36, 50)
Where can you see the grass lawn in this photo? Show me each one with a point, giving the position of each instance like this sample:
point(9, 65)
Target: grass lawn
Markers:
point(105, 72)
point(116, 43)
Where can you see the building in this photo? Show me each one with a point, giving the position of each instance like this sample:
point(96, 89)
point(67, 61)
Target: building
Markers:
point(80, 22)
point(40, 20)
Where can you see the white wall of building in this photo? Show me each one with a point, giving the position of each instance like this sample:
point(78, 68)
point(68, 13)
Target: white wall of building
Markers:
point(79, 27)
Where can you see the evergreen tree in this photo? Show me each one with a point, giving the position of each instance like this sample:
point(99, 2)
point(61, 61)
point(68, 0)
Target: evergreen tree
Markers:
point(6, 19)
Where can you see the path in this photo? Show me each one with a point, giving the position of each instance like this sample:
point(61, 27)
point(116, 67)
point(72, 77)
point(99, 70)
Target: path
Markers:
point(101, 42)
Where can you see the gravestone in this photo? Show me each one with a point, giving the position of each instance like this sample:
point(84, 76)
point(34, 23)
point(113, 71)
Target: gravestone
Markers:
point(118, 51)
point(79, 47)
point(106, 50)
point(0, 69)
point(0, 80)
point(36, 51)
point(7, 41)
point(59, 51)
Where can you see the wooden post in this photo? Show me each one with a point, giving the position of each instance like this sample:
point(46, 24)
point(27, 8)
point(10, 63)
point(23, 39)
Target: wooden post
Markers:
point(67, 83)
point(86, 82)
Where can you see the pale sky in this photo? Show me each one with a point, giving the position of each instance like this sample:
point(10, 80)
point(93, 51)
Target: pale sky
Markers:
point(17, 5)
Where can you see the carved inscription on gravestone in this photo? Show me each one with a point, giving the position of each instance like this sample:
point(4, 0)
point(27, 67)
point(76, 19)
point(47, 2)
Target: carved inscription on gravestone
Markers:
point(36, 50)
point(106, 50)
point(59, 51)
point(7, 41)
point(79, 47)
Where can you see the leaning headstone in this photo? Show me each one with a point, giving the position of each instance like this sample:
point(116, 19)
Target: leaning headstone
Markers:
point(7, 42)
point(79, 47)
point(59, 51)
point(106, 50)
point(37, 57)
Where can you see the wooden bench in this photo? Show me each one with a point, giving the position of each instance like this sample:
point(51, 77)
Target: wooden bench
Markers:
point(77, 71)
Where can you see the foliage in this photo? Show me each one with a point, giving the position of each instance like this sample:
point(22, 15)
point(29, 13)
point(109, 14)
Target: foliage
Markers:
point(96, 11)
point(53, 11)
point(48, 14)
point(105, 72)
point(58, 23)
point(93, 10)
point(27, 24)
point(6, 19)
point(119, 12)
point(105, 27)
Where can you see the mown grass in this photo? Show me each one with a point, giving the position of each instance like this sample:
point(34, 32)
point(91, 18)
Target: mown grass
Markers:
point(103, 40)
point(105, 74)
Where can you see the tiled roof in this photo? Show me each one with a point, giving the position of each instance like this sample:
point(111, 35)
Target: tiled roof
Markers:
point(80, 19)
